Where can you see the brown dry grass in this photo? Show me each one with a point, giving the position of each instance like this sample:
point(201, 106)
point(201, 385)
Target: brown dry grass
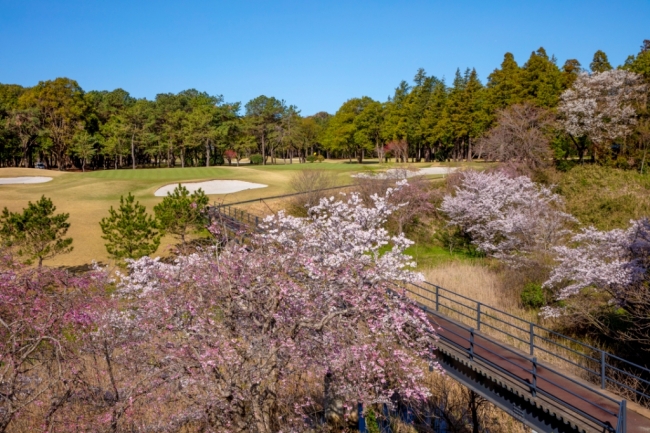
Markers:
point(473, 282)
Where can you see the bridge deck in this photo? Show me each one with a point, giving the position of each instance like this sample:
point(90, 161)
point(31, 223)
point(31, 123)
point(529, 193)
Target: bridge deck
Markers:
point(581, 395)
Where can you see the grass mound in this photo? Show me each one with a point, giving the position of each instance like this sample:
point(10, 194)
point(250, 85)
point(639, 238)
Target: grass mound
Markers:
point(605, 197)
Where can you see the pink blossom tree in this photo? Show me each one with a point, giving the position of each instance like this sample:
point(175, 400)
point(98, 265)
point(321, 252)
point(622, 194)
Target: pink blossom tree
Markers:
point(506, 217)
point(43, 312)
point(243, 339)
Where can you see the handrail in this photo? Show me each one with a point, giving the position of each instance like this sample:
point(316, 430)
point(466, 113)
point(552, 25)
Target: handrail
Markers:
point(613, 370)
point(535, 376)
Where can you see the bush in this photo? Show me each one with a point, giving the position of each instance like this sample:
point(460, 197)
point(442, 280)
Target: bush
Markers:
point(532, 296)
point(320, 158)
point(311, 158)
point(309, 183)
point(565, 165)
point(256, 159)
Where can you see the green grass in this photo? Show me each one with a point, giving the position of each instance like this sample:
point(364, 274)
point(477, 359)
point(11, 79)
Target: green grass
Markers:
point(156, 174)
point(430, 255)
point(604, 197)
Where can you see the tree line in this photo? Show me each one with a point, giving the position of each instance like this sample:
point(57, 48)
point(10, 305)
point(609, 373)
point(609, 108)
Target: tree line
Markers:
point(430, 120)
point(60, 125)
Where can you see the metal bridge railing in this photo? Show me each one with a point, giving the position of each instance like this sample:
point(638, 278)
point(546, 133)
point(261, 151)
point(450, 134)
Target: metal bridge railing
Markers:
point(611, 372)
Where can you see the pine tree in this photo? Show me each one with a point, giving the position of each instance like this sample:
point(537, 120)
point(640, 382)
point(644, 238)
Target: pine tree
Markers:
point(180, 212)
point(600, 62)
point(129, 231)
point(37, 232)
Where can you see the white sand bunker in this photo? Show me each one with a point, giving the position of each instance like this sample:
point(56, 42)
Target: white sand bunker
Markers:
point(24, 180)
point(212, 187)
point(401, 173)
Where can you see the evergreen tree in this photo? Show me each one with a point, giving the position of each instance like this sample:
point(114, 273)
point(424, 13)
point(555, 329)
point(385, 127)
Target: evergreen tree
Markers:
point(181, 212)
point(640, 63)
point(541, 80)
point(129, 231)
point(570, 72)
point(600, 63)
point(37, 232)
point(504, 85)
point(434, 119)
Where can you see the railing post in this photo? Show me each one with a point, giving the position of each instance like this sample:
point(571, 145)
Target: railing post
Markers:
point(478, 317)
point(257, 221)
point(621, 426)
point(437, 298)
point(532, 339)
point(534, 384)
point(471, 344)
point(362, 419)
point(603, 378)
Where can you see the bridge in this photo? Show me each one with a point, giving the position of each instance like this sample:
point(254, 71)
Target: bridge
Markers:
point(548, 381)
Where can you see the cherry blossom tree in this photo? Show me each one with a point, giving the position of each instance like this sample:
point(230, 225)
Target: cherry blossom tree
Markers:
point(243, 339)
point(609, 261)
point(42, 314)
point(614, 264)
point(600, 107)
point(506, 217)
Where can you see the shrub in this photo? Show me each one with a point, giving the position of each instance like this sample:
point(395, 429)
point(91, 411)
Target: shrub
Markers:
point(311, 158)
point(256, 159)
point(309, 183)
point(320, 158)
point(532, 296)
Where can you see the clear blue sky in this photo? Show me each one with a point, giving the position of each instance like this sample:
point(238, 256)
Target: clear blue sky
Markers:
point(314, 54)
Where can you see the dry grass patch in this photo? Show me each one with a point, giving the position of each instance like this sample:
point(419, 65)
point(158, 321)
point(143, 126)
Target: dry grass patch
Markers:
point(470, 283)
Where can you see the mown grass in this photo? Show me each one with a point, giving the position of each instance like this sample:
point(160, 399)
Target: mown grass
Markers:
point(88, 196)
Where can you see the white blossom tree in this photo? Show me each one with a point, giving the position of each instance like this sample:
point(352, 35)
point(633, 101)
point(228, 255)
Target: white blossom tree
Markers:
point(600, 107)
point(506, 217)
point(614, 266)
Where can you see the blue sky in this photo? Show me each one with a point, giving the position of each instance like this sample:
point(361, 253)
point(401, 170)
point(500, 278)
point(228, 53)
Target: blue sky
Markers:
point(314, 54)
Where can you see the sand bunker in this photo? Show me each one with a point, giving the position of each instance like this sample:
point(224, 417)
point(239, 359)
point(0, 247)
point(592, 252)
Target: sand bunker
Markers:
point(23, 180)
point(212, 187)
point(400, 173)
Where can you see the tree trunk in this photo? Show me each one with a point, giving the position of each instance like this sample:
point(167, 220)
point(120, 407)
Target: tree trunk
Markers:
point(263, 150)
point(473, 406)
point(133, 150)
point(207, 153)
